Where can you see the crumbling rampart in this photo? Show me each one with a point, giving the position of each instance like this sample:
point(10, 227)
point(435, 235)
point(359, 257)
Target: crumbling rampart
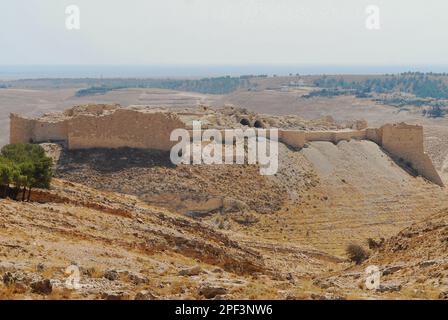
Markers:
point(151, 130)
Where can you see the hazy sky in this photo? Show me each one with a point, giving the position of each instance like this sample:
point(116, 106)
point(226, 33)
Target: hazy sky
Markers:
point(224, 32)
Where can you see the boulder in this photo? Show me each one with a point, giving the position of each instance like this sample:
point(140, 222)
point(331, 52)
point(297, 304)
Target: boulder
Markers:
point(389, 287)
point(210, 292)
point(145, 295)
point(43, 287)
point(194, 271)
point(115, 295)
point(137, 279)
point(111, 275)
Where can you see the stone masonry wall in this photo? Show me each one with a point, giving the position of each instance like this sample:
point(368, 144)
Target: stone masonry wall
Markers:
point(135, 129)
point(20, 129)
point(405, 142)
point(31, 130)
point(123, 128)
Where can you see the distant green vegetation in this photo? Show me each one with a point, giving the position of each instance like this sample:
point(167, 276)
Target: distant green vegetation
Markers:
point(326, 93)
point(23, 166)
point(435, 111)
point(422, 85)
point(95, 90)
point(220, 85)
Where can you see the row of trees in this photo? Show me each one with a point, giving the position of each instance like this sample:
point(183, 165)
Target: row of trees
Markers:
point(23, 167)
point(434, 112)
point(216, 85)
point(421, 85)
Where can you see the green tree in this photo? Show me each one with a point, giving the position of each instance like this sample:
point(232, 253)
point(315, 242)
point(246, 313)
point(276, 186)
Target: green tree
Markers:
point(28, 167)
point(5, 177)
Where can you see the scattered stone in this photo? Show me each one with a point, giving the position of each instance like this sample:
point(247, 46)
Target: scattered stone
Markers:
point(217, 270)
point(20, 287)
point(327, 296)
point(391, 269)
point(8, 278)
point(111, 275)
point(43, 287)
point(145, 295)
point(209, 292)
point(389, 287)
point(323, 283)
point(290, 278)
point(443, 295)
point(137, 279)
point(40, 267)
point(115, 295)
point(287, 295)
point(194, 271)
point(234, 205)
point(425, 264)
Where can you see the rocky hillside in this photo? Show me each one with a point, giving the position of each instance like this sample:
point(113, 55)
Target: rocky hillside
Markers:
point(325, 195)
point(125, 249)
point(413, 265)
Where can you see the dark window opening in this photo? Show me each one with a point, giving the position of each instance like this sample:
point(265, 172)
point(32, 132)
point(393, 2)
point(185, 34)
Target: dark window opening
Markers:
point(258, 124)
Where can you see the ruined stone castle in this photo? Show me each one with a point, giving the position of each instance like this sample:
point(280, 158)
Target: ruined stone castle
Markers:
point(104, 126)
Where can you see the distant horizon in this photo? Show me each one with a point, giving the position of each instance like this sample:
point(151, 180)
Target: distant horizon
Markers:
point(56, 71)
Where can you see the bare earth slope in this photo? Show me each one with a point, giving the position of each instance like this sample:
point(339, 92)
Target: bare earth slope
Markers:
point(124, 247)
point(325, 195)
point(277, 237)
point(413, 264)
point(357, 192)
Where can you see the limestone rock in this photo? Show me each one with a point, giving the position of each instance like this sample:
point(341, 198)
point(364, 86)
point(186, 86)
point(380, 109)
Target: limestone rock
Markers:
point(137, 279)
point(145, 295)
point(443, 295)
point(194, 271)
point(210, 292)
point(389, 287)
point(115, 295)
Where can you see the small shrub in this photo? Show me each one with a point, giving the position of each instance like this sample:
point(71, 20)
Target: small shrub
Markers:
point(356, 253)
point(375, 244)
point(245, 218)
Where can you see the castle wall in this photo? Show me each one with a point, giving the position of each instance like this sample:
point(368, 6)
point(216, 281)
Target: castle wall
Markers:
point(29, 130)
point(335, 136)
point(123, 128)
point(20, 129)
point(375, 135)
point(146, 130)
point(50, 131)
point(405, 142)
point(293, 138)
point(298, 139)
